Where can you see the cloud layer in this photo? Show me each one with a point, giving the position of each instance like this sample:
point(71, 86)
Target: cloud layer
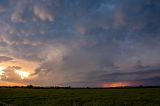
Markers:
point(83, 42)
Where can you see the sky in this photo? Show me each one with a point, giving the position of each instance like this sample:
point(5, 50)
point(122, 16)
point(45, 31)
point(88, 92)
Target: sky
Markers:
point(79, 43)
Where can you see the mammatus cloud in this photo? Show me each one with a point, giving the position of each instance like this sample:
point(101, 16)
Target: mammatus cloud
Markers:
point(2, 9)
point(3, 6)
point(42, 13)
point(18, 15)
point(82, 43)
point(36, 10)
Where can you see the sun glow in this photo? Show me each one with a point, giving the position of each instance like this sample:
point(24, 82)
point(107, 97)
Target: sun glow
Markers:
point(22, 74)
point(117, 84)
point(1, 71)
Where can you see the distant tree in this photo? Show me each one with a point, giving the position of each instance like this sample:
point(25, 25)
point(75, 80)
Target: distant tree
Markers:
point(29, 86)
point(141, 86)
point(88, 87)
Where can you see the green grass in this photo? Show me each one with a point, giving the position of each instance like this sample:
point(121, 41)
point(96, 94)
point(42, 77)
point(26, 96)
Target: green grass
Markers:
point(80, 97)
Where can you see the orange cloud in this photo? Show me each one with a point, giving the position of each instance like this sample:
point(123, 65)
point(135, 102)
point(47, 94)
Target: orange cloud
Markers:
point(25, 65)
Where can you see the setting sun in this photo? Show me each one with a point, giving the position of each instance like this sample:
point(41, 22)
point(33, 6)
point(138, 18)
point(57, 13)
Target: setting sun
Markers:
point(22, 74)
point(1, 71)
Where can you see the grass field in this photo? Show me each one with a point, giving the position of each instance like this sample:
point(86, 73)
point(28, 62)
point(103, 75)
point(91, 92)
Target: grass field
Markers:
point(80, 97)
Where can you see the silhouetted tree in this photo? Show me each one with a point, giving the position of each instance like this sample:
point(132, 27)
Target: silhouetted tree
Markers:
point(29, 86)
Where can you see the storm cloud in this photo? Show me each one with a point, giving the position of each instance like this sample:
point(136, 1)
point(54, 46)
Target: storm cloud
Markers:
point(86, 41)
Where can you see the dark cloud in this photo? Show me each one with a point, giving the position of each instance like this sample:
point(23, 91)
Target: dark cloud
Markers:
point(154, 81)
point(145, 73)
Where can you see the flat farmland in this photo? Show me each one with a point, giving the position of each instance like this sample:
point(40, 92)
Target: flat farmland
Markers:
point(80, 97)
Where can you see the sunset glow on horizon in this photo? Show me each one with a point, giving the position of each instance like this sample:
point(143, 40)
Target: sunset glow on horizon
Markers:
point(6, 83)
point(120, 84)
